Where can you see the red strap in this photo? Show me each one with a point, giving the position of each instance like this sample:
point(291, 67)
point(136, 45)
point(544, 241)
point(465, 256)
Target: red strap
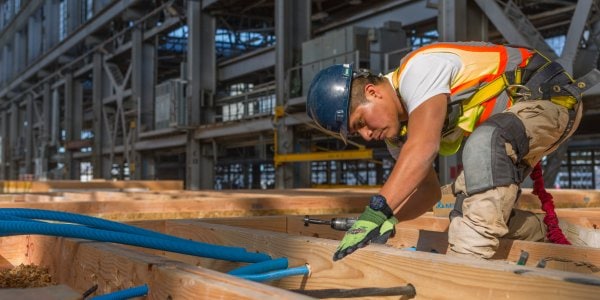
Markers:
point(554, 234)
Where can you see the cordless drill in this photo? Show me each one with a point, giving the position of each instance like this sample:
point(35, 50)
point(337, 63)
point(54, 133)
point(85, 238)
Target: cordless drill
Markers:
point(341, 224)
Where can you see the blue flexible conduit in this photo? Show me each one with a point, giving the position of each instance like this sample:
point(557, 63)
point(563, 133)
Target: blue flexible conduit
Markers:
point(302, 270)
point(41, 214)
point(184, 246)
point(261, 267)
point(137, 291)
point(25, 221)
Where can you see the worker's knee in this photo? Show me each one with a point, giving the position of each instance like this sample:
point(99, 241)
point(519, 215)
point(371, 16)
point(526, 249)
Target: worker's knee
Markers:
point(483, 222)
point(525, 225)
point(485, 159)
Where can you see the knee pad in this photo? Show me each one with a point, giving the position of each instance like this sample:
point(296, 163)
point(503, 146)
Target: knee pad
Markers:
point(485, 161)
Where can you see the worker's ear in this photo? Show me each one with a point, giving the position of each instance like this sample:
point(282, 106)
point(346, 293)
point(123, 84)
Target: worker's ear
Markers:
point(371, 90)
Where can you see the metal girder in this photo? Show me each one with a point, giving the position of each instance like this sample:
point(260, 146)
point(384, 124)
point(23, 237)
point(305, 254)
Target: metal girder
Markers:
point(73, 39)
point(406, 11)
point(254, 61)
point(20, 21)
point(578, 22)
point(249, 126)
point(514, 26)
point(321, 156)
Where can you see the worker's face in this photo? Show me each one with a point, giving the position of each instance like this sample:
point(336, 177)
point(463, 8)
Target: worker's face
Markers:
point(379, 118)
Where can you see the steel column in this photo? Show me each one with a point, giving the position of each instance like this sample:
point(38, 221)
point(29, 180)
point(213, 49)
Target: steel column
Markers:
point(28, 131)
point(143, 81)
point(97, 95)
point(4, 144)
point(201, 79)
point(292, 28)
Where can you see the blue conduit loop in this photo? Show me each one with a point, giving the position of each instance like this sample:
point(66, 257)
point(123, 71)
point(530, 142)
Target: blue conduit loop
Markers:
point(235, 254)
point(137, 291)
point(94, 222)
point(261, 267)
point(274, 275)
point(25, 221)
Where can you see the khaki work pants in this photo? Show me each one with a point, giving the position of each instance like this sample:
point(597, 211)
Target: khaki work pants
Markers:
point(489, 215)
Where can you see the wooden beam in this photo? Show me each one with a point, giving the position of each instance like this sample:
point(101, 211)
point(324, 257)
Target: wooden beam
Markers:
point(433, 275)
point(562, 257)
point(81, 264)
point(15, 186)
point(203, 207)
point(563, 198)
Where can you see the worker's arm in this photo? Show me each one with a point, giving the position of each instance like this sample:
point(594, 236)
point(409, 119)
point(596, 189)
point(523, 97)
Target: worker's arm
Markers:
point(422, 200)
point(412, 188)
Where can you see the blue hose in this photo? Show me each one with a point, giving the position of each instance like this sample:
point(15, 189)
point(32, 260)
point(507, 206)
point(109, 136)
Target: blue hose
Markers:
point(41, 214)
point(184, 246)
point(101, 224)
point(14, 218)
point(261, 267)
point(137, 291)
point(302, 270)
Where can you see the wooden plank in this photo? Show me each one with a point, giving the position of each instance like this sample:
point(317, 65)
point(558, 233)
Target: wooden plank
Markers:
point(15, 186)
point(81, 264)
point(203, 208)
point(433, 275)
point(562, 257)
point(563, 198)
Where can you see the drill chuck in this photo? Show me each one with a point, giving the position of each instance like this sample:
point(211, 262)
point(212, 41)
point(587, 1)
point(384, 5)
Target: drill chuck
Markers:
point(342, 223)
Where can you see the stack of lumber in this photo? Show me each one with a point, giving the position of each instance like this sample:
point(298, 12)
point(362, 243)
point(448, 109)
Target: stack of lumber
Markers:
point(272, 222)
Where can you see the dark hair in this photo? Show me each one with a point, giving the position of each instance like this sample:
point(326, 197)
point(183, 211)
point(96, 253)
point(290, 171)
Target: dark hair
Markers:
point(357, 95)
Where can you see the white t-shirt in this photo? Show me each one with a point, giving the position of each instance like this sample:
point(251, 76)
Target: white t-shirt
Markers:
point(425, 76)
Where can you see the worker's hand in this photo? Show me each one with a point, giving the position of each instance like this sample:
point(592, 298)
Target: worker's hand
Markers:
point(387, 229)
point(371, 226)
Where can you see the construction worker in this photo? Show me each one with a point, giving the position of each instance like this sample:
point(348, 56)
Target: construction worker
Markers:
point(514, 104)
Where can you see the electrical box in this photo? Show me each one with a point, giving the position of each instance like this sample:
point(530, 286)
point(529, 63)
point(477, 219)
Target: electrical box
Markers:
point(171, 109)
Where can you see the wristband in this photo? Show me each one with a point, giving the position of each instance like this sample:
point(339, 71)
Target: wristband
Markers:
point(379, 203)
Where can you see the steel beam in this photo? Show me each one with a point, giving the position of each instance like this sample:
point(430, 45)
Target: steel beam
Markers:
point(243, 65)
point(75, 38)
point(19, 21)
point(408, 12)
point(519, 34)
point(578, 22)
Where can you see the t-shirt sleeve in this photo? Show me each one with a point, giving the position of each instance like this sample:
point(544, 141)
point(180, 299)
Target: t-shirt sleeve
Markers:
point(427, 75)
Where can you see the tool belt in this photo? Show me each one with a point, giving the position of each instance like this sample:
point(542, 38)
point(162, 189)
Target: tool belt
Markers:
point(547, 80)
point(543, 79)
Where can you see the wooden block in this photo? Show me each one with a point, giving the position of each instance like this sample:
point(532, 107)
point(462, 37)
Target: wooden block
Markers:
point(443, 207)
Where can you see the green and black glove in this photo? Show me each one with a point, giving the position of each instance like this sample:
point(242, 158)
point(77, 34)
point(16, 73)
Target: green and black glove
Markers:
point(375, 225)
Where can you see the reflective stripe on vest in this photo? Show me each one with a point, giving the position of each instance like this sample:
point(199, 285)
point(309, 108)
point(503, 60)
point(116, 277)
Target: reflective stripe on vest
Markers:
point(480, 83)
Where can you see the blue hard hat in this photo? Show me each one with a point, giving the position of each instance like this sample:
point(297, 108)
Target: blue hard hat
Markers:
point(327, 101)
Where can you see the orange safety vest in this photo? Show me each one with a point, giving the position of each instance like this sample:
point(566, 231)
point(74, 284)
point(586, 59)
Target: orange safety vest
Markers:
point(480, 84)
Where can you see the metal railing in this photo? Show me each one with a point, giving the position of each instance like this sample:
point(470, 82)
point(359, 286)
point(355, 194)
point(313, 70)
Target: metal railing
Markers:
point(261, 102)
point(257, 103)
